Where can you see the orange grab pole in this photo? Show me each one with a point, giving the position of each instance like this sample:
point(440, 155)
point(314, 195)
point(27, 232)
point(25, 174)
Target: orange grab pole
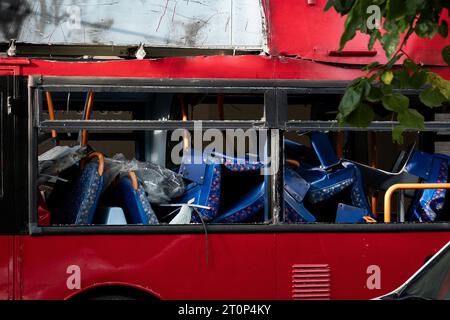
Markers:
point(184, 117)
point(405, 186)
point(84, 138)
point(101, 161)
point(51, 110)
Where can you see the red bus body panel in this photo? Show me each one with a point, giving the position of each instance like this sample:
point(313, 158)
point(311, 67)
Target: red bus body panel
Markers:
point(239, 266)
point(6, 267)
point(213, 67)
point(298, 29)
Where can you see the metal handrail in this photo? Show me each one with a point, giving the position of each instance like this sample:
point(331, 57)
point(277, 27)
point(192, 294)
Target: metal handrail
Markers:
point(51, 111)
point(404, 186)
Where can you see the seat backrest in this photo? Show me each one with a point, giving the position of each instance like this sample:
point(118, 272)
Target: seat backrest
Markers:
point(324, 149)
point(75, 202)
point(428, 204)
point(250, 203)
point(134, 201)
point(206, 188)
point(350, 214)
point(403, 158)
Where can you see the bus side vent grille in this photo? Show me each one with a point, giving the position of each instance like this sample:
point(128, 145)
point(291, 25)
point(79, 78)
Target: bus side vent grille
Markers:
point(311, 282)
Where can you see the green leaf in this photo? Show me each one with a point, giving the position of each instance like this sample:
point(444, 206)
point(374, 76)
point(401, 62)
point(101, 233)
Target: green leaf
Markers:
point(421, 4)
point(443, 29)
point(351, 25)
point(410, 65)
point(374, 36)
point(396, 102)
point(395, 9)
point(387, 77)
point(386, 90)
point(329, 4)
point(401, 78)
point(440, 84)
point(390, 41)
point(343, 6)
point(397, 134)
point(374, 95)
point(411, 119)
point(418, 79)
point(426, 28)
point(410, 8)
point(446, 54)
point(353, 96)
point(432, 97)
point(361, 117)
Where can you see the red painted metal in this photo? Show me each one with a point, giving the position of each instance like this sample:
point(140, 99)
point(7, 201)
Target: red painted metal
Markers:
point(302, 30)
point(311, 282)
point(349, 255)
point(240, 266)
point(5, 272)
point(15, 61)
point(215, 67)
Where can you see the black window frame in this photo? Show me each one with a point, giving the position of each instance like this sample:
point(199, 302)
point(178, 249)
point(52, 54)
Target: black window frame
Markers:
point(275, 119)
point(2, 135)
point(37, 85)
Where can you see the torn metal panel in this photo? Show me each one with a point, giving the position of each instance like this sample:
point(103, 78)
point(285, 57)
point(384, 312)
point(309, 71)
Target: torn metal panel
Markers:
point(173, 23)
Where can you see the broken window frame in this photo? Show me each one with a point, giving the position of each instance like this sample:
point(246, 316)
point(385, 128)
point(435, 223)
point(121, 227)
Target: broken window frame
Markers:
point(275, 119)
point(38, 85)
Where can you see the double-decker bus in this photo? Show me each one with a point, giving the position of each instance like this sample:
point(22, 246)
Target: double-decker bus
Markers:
point(217, 176)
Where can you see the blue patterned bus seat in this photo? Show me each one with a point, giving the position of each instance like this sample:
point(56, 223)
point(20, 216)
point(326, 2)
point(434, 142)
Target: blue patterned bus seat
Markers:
point(75, 202)
point(350, 214)
point(250, 203)
point(428, 204)
point(135, 203)
point(295, 189)
point(324, 150)
point(206, 187)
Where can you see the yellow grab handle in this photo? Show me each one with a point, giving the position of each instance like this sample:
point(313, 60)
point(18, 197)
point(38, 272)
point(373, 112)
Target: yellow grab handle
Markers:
point(406, 186)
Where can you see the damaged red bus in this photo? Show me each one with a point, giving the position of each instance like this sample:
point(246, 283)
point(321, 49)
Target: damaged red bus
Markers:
point(273, 199)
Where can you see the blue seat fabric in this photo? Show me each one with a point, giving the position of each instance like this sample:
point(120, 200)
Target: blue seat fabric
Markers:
point(75, 202)
point(135, 203)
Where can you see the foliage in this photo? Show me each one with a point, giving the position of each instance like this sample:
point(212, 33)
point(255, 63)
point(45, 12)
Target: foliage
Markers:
point(383, 82)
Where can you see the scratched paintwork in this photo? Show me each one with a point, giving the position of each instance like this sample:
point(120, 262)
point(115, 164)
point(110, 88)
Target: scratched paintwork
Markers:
point(179, 23)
